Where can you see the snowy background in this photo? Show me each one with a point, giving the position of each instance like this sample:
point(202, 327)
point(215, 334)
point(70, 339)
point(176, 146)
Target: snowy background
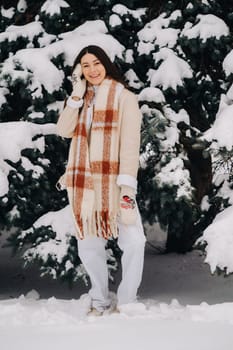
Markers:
point(181, 304)
point(36, 59)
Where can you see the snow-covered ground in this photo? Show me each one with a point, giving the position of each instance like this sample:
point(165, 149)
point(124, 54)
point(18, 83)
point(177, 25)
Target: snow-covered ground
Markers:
point(181, 306)
point(56, 324)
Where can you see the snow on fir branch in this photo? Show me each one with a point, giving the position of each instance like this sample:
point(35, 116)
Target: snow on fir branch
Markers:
point(179, 62)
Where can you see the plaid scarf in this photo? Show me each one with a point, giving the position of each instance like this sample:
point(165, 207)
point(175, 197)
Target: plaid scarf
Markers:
point(93, 164)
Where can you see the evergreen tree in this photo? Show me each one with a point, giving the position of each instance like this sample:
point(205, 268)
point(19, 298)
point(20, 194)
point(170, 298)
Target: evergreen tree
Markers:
point(172, 54)
point(185, 45)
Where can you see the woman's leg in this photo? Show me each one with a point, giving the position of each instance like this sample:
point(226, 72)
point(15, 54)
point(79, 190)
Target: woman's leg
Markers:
point(93, 256)
point(132, 242)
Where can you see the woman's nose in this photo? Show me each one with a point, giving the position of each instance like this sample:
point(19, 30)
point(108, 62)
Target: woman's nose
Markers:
point(92, 68)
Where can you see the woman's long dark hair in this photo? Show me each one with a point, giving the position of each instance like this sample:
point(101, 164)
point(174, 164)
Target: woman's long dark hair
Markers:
point(111, 70)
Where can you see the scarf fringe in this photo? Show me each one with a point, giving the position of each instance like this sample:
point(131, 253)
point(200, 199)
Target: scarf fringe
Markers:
point(101, 224)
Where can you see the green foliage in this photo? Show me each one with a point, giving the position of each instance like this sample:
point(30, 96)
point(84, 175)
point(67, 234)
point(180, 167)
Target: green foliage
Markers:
point(129, 24)
point(199, 96)
point(32, 192)
point(67, 268)
point(7, 47)
point(27, 198)
point(18, 99)
point(161, 202)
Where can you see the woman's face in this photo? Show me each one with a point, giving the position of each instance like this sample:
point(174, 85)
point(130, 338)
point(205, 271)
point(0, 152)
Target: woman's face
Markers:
point(93, 70)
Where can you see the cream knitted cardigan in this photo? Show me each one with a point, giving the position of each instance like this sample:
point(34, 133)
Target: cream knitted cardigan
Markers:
point(127, 137)
point(128, 131)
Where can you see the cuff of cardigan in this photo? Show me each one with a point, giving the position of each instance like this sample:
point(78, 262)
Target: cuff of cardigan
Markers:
point(74, 104)
point(127, 180)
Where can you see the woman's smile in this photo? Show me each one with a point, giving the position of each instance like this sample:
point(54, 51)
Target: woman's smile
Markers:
point(93, 70)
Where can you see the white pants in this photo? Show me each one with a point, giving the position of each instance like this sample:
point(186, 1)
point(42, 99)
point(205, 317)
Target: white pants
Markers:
point(92, 252)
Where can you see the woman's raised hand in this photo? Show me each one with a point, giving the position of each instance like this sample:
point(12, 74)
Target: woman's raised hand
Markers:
point(79, 85)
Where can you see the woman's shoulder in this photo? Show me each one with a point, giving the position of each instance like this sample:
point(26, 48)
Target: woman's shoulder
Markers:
point(126, 95)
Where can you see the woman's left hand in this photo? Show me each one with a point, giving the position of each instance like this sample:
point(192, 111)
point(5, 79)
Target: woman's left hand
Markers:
point(128, 205)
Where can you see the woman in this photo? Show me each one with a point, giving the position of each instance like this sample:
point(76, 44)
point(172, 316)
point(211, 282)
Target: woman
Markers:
point(103, 119)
